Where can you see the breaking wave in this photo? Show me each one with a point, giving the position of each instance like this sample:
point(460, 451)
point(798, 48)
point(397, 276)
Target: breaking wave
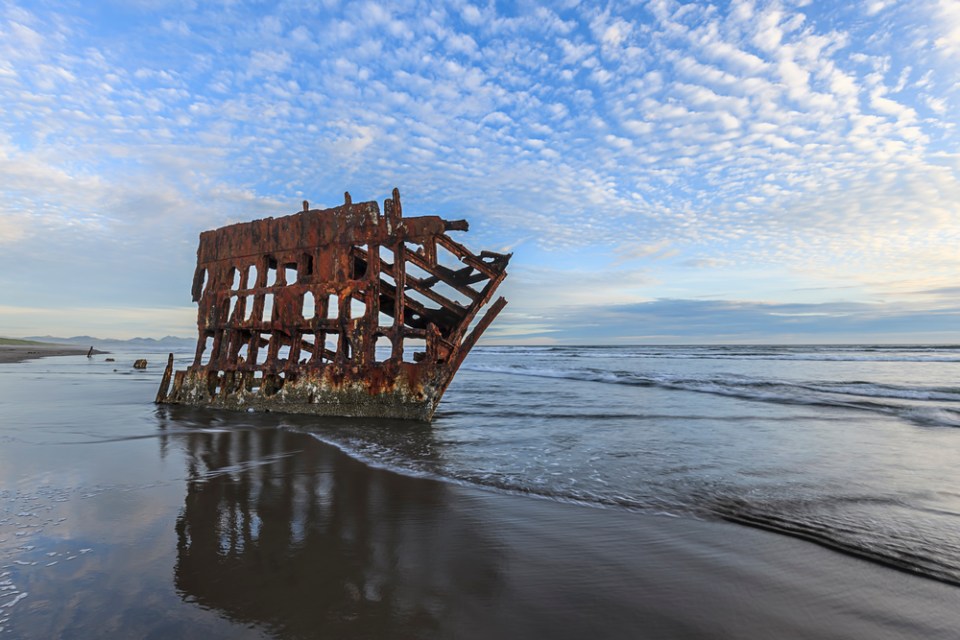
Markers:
point(860, 526)
point(863, 486)
point(878, 398)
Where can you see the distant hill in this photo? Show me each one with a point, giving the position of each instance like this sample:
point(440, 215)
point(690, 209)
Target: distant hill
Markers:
point(171, 343)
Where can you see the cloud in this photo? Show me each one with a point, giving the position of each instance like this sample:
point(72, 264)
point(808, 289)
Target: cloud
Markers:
point(685, 321)
point(947, 16)
point(471, 15)
point(267, 62)
point(762, 133)
point(659, 250)
point(13, 228)
point(873, 7)
point(113, 322)
point(949, 292)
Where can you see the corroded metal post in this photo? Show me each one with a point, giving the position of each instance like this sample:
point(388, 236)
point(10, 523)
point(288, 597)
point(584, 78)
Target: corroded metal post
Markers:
point(340, 311)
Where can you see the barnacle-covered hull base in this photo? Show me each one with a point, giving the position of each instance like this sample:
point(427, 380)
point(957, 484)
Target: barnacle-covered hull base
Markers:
point(342, 311)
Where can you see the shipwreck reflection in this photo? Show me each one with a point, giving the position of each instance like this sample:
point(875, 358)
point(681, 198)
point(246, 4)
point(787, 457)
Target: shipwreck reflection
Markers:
point(281, 531)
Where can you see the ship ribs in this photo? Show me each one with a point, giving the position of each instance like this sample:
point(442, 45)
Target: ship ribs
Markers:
point(345, 311)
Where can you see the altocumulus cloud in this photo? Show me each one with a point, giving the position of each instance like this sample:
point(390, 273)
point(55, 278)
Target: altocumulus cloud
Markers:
point(673, 148)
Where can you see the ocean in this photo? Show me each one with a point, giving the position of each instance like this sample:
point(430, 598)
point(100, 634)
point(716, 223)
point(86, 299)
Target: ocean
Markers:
point(851, 449)
point(855, 447)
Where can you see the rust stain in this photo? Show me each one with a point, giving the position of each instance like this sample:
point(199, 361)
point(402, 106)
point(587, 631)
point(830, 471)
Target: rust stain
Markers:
point(345, 311)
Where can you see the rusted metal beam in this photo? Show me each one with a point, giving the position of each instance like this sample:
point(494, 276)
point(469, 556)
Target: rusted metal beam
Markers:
point(289, 313)
point(439, 273)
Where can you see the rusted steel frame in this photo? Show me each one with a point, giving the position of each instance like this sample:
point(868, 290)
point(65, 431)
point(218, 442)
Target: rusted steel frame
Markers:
point(429, 249)
point(399, 301)
point(434, 269)
point(470, 340)
point(165, 380)
point(467, 257)
point(336, 256)
point(389, 291)
point(413, 332)
point(416, 284)
point(486, 294)
point(463, 277)
point(372, 302)
point(439, 273)
point(464, 254)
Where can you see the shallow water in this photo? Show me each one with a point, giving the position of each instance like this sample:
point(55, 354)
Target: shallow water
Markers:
point(120, 517)
point(854, 447)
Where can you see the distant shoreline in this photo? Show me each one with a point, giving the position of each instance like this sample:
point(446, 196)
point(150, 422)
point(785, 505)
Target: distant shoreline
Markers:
point(20, 352)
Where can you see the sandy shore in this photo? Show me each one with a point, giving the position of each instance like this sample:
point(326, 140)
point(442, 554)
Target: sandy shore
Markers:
point(356, 551)
point(122, 519)
point(21, 352)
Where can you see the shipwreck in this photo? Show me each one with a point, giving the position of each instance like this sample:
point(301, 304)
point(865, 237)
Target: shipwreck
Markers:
point(345, 311)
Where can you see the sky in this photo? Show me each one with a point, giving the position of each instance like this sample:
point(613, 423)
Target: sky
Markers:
point(664, 172)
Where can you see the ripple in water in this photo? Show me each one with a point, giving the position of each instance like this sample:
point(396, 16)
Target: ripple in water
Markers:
point(849, 447)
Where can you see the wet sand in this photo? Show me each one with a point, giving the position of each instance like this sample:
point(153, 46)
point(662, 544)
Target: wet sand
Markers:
point(393, 556)
point(20, 352)
point(122, 519)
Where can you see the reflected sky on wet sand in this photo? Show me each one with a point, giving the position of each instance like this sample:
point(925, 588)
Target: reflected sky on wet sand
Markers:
point(121, 519)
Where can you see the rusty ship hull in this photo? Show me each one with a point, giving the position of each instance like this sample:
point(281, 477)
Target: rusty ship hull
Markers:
point(347, 311)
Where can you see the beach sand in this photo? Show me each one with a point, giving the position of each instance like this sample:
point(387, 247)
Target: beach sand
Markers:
point(347, 550)
point(123, 519)
point(20, 352)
